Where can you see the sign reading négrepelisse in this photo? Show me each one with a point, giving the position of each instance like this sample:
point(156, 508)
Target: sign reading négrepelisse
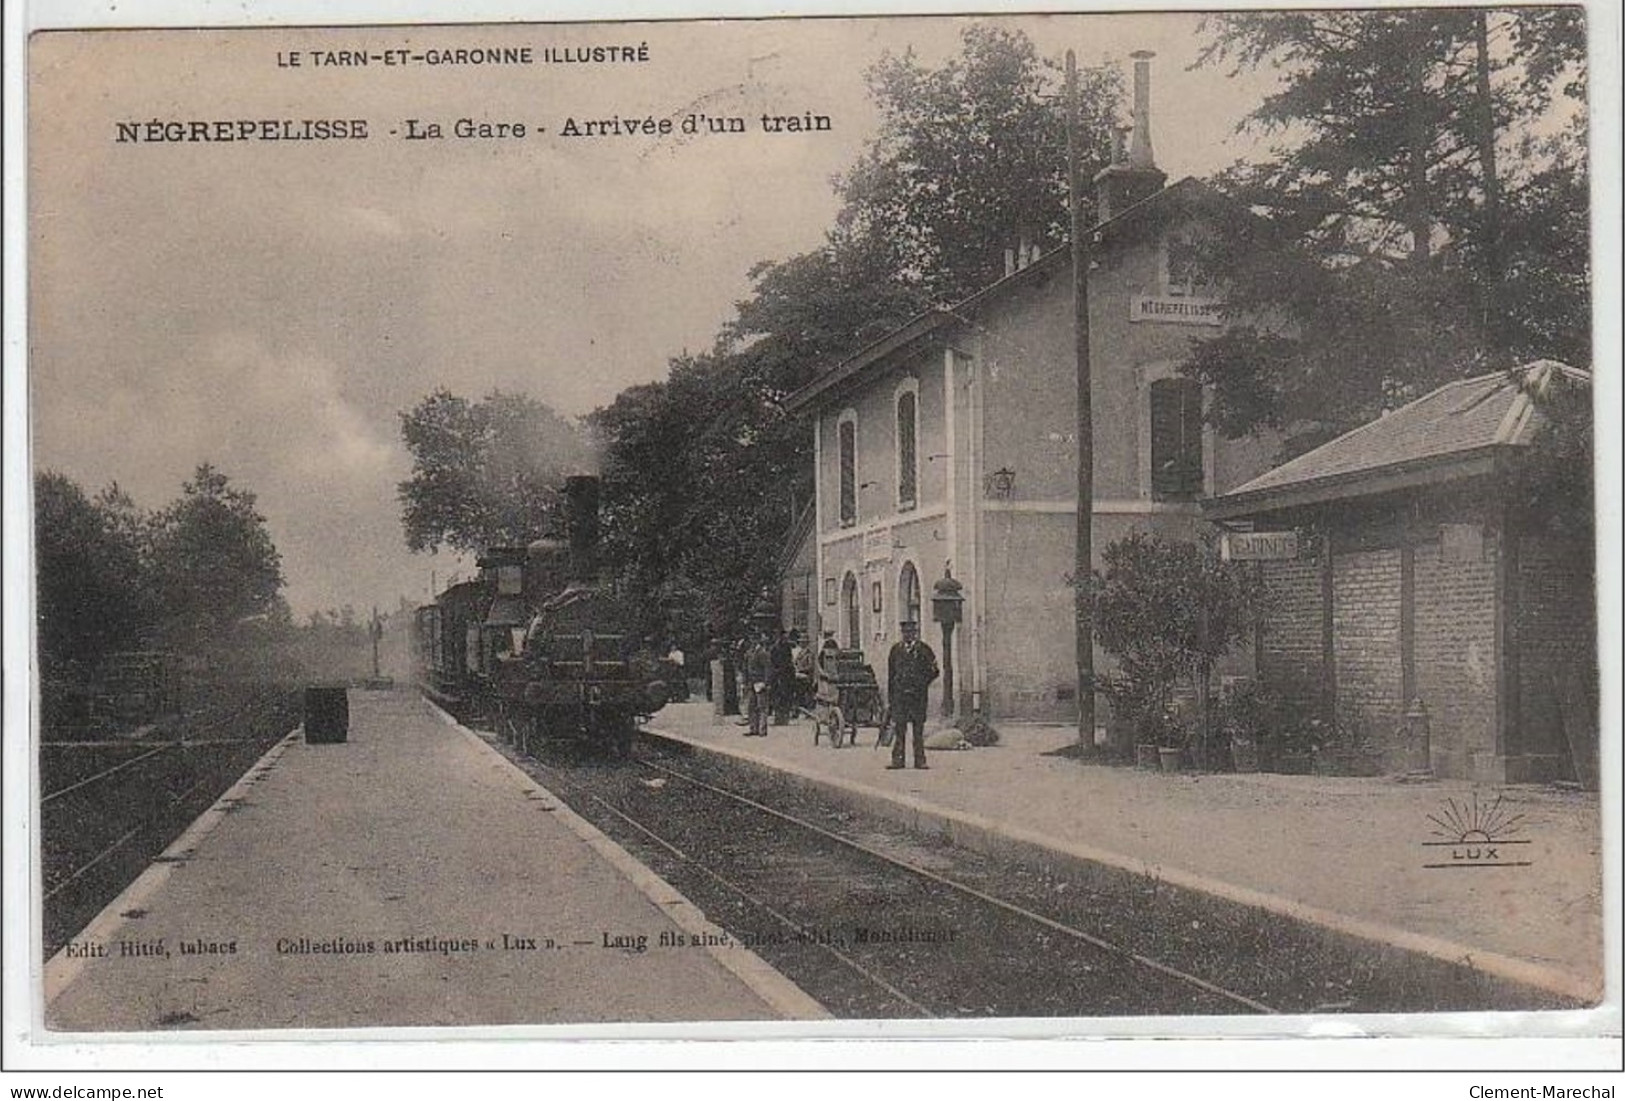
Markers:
point(1260, 546)
point(1180, 311)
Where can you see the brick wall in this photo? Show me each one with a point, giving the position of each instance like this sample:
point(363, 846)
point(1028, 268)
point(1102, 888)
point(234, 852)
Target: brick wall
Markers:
point(1365, 624)
point(1455, 653)
point(1556, 630)
point(1293, 659)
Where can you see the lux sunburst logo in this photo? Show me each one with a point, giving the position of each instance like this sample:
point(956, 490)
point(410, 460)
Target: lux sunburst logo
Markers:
point(1476, 835)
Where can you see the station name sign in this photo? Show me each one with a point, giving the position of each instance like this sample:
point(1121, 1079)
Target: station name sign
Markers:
point(1260, 546)
point(1179, 311)
point(877, 545)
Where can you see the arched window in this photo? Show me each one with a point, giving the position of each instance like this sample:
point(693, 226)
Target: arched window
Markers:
point(908, 593)
point(1176, 439)
point(908, 461)
point(847, 437)
point(851, 612)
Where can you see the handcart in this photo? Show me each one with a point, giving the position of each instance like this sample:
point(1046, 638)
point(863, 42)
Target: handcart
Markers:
point(847, 696)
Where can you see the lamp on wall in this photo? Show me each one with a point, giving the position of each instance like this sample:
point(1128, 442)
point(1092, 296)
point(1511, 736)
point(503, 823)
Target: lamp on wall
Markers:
point(1000, 484)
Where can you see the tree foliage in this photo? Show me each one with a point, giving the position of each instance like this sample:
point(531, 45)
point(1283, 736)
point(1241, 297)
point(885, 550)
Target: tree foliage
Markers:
point(700, 477)
point(1553, 484)
point(92, 595)
point(1426, 209)
point(486, 473)
point(113, 576)
point(971, 159)
point(213, 562)
point(1168, 611)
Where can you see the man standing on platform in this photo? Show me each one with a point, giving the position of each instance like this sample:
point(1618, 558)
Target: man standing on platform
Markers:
point(758, 671)
point(782, 678)
point(910, 669)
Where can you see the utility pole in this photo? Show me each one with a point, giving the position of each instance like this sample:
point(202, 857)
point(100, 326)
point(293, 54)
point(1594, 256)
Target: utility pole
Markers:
point(1083, 561)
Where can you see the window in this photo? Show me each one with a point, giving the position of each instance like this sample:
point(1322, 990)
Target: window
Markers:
point(1176, 439)
point(908, 593)
point(800, 605)
point(1187, 269)
point(908, 466)
point(850, 617)
point(848, 445)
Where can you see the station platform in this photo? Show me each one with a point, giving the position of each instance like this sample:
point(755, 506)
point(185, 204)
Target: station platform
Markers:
point(1378, 858)
point(409, 876)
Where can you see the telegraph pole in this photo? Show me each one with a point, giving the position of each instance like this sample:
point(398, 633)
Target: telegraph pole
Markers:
point(1083, 562)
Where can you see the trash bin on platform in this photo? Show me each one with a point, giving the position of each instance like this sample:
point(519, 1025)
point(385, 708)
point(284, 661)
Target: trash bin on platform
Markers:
point(327, 714)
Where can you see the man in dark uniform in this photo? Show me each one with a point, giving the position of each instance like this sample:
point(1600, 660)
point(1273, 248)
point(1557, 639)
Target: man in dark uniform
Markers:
point(910, 669)
point(758, 670)
point(782, 678)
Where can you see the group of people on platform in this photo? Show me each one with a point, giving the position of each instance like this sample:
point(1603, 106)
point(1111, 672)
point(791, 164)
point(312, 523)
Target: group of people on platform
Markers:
point(778, 674)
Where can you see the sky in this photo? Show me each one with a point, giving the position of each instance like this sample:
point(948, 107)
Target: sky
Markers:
point(272, 307)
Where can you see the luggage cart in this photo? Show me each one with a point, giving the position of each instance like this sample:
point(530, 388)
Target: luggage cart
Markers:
point(847, 697)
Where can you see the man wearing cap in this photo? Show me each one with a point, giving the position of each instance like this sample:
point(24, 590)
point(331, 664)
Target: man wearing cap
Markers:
point(910, 669)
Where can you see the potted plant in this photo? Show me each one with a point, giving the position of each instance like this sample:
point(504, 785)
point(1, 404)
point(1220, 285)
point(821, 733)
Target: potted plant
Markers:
point(1168, 611)
point(1296, 746)
point(1247, 712)
point(1171, 751)
point(1348, 752)
point(1137, 701)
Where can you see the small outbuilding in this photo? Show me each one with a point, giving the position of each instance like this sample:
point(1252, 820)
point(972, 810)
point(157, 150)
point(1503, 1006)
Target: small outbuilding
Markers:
point(1432, 613)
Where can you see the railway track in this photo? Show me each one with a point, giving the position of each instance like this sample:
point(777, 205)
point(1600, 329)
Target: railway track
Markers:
point(874, 922)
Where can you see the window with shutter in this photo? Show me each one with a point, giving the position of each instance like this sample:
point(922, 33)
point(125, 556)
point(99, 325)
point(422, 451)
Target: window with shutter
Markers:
point(1176, 439)
point(849, 472)
point(907, 455)
point(908, 593)
point(851, 612)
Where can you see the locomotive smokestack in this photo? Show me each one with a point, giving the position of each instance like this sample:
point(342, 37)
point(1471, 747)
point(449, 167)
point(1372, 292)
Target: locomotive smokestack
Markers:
point(581, 516)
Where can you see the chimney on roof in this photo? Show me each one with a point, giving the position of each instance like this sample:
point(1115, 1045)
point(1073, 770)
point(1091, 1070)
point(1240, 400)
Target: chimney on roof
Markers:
point(1018, 258)
point(1131, 178)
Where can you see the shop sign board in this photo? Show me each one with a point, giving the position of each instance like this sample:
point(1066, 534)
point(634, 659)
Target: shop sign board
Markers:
point(1260, 546)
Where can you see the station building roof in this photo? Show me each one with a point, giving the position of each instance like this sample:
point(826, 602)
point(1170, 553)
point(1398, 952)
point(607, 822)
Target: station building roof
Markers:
point(1455, 431)
point(1187, 195)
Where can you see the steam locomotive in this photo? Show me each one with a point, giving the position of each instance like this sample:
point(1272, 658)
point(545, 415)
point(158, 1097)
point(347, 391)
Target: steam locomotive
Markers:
point(540, 645)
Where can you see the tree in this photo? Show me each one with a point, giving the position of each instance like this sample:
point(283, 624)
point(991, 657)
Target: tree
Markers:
point(1433, 188)
point(700, 472)
point(484, 473)
point(1169, 610)
point(815, 309)
point(213, 560)
point(1552, 483)
point(971, 159)
point(92, 590)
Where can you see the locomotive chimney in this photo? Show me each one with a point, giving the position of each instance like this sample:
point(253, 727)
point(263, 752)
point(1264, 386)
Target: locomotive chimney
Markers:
point(581, 517)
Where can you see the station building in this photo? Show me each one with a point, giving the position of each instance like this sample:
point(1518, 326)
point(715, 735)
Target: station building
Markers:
point(1432, 616)
point(949, 445)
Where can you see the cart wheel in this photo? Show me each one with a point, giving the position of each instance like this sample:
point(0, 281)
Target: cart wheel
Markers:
point(846, 732)
point(833, 726)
